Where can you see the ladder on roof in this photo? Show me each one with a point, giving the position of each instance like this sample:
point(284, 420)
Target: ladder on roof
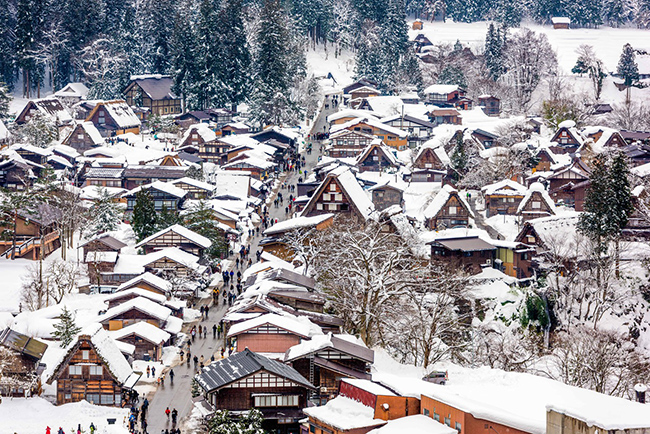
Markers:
point(311, 372)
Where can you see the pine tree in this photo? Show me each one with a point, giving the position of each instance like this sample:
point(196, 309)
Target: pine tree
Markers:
point(509, 13)
point(452, 74)
point(627, 67)
point(5, 100)
point(106, 214)
point(29, 34)
point(196, 389)
point(144, 215)
point(156, 18)
point(185, 63)
point(166, 218)
point(621, 206)
point(494, 46)
point(596, 221)
point(66, 329)
point(200, 219)
point(459, 157)
point(7, 44)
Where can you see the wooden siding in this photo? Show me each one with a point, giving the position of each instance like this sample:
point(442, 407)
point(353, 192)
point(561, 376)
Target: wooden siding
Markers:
point(266, 342)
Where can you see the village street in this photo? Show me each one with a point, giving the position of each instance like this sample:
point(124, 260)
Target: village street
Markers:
point(179, 394)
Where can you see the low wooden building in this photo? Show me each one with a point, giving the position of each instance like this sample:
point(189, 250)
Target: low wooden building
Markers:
point(386, 195)
point(443, 95)
point(448, 210)
point(147, 339)
point(173, 260)
point(36, 234)
point(536, 203)
point(490, 104)
point(514, 258)
point(269, 333)
point(275, 241)
point(561, 22)
point(149, 282)
point(327, 359)
point(376, 157)
point(195, 189)
point(93, 369)
point(102, 243)
point(49, 108)
point(248, 380)
point(346, 143)
point(137, 175)
point(567, 137)
point(165, 196)
point(17, 173)
point(21, 368)
point(139, 309)
point(441, 116)
point(113, 118)
point(84, 136)
point(175, 236)
point(153, 92)
point(562, 182)
point(503, 197)
point(469, 253)
point(391, 136)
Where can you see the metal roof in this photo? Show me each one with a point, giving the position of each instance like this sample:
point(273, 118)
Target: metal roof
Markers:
point(22, 343)
point(240, 365)
point(465, 244)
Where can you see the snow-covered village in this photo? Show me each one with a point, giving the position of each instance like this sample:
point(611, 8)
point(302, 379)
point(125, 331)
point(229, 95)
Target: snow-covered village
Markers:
point(324, 217)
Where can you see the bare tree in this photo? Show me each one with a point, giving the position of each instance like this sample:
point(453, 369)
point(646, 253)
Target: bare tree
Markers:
point(62, 277)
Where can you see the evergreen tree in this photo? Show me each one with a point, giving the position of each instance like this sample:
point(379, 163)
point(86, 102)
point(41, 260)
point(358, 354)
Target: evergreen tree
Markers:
point(156, 18)
point(627, 67)
point(106, 214)
point(5, 100)
point(144, 215)
point(509, 13)
point(196, 389)
point(222, 422)
point(459, 158)
point(29, 34)
point(494, 46)
point(7, 44)
point(452, 74)
point(185, 61)
point(166, 218)
point(367, 58)
point(66, 329)
point(200, 219)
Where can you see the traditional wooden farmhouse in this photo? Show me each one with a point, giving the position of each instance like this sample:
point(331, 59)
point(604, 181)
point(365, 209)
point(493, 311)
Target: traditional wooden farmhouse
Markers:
point(567, 137)
point(445, 116)
point(165, 196)
point(347, 115)
point(443, 95)
point(421, 41)
point(31, 153)
point(174, 261)
point(434, 158)
point(327, 359)
point(385, 195)
point(281, 135)
point(258, 167)
point(16, 173)
point(485, 138)
point(605, 137)
point(448, 210)
point(147, 339)
point(567, 185)
point(275, 241)
point(418, 129)
point(198, 135)
point(48, 108)
point(113, 118)
point(84, 136)
point(551, 233)
point(469, 253)
point(391, 136)
point(340, 193)
point(21, 367)
point(561, 22)
point(358, 95)
point(377, 157)
point(346, 143)
point(490, 104)
point(92, 368)
point(175, 236)
point(141, 309)
point(102, 243)
point(135, 176)
point(71, 93)
point(235, 128)
point(149, 282)
point(195, 189)
point(536, 203)
point(153, 92)
point(503, 197)
point(36, 234)
point(270, 333)
point(246, 380)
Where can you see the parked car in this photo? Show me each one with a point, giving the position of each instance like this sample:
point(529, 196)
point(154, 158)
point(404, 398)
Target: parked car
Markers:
point(438, 377)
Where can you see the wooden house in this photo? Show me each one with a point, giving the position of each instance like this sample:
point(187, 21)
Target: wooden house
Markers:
point(417, 24)
point(72, 93)
point(552, 232)
point(84, 136)
point(175, 236)
point(562, 182)
point(387, 405)
point(235, 128)
point(195, 189)
point(377, 157)
point(269, 333)
point(139, 309)
point(49, 108)
point(449, 116)
point(432, 158)
point(327, 359)
point(418, 129)
point(342, 415)
point(172, 260)
point(340, 193)
point(259, 168)
point(136, 176)
point(561, 22)
point(347, 115)
point(111, 175)
point(485, 138)
point(545, 159)
point(391, 136)
point(514, 258)
point(469, 253)
point(567, 137)
point(490, 104)
point(93, 369)
point(153, 92)
point(421, 41)
point(21, 367)
point(346, 143)
point(536, 203)
point(149, 282)
point(448, 210)
point(386, 195)
point(361, 93)
point(31, 153)
point(443, 95)
point(606, 138)
point(102, 243)
point(503, 197)
point(18, 173)
point(113, 118)
point(164, 194)
point(147, 339)
point(246, 380)
point(279, 134)
point(197, 135)
point(36, 234)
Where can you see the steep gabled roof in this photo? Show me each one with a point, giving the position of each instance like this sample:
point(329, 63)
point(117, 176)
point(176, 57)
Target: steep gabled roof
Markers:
point(157, 87)
point(329, 341)
point(302, 327)
point(350, 187)
point(119, 111)
point(166, 187)
point(149, 279)
point(144, 330)
point(192, 236)
point(536, 187)
point(441, 200)
point(378, 144)
point(107, 240)
point(241, 365)
point(141, 304)
point(506, 187)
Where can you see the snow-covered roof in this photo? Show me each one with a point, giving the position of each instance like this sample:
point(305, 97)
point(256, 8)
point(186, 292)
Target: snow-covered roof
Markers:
point(183, 232)
point(252, 161)
point(368, 386)
point(77, 90)
point(144, 330)
point(202, 130)
point(138, 292)
point(120, 112)
point(106, 349)
point(344, 343)
point(373, 122)
point(536, 186)
point(507, 187)
point(347, 113)
point(345, 414)
point(101, 256)
point(441, 199)
point(298, 325)
point(440, 89)
point(139, 303)
point(194, 183)
point(93, 133)
point(4, 132)
point(561, 20)
point(414, 424)
point(148, 278)
point(175, 254)
point(166, 187)
point(377, 143)
point(350, 185)
point(296, 223)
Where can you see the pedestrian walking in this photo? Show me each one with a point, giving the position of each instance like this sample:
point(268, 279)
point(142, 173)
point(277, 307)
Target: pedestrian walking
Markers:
point(214, 331)
point(174, 416)
point(153, 371)
point(201, 358)
point(182, 353)
point(167, 412)
point(219, 331)
point(196, 360)
point(171, 376)
point(205, 332)
point(200, 330)
point(148, 371)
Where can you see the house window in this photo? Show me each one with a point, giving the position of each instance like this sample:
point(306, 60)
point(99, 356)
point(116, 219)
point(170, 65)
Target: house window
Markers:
point(319, 206)
point(276, 401)
point(106, 399)
point(331, 207)
point(537, 205)
point(447, 421)
point(338, 197)
point(80, 136)
point(85, 354)
point(326, 196)
point(68, 396)
point(96, 370)
point(452, 210)
point(436, 417)
point(93, 398)
point(74, 370)
point(530, 239)
point(428, 165)
point(332, 187)
point(118, 398)
point(426, 411)
point(458, 427)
